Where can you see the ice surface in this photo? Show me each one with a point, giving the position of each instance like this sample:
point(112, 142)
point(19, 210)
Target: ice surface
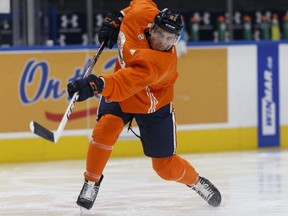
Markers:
point(251, 183)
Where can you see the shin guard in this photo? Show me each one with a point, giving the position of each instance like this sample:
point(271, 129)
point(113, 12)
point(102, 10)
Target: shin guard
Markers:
point(105, 134)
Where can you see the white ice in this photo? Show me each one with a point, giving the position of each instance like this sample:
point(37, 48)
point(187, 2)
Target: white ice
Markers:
point(251, 183)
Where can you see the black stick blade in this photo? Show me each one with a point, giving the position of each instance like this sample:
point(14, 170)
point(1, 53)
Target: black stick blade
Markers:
point(41, 131)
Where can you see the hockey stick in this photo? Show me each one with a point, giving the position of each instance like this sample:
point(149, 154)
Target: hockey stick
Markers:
point(54, 136)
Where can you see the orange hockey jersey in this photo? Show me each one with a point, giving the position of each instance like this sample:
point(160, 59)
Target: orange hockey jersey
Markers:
point(143, 80)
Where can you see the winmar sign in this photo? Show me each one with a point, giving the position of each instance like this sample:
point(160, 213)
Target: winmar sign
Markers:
point(268, 104)
point(268, 95)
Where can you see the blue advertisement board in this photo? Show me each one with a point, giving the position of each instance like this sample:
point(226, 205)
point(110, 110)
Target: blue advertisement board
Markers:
point(268, 95)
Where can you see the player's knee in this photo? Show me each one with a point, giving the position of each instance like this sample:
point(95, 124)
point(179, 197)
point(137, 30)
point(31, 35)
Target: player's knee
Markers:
point(175, 168)
point(107, 129)
point(164, 167)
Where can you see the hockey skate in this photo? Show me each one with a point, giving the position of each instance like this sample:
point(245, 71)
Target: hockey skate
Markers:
point(88, 193)
point(207, 191)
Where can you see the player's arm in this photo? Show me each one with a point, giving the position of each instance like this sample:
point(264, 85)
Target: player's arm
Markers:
point(117, 87)
point(128, 81)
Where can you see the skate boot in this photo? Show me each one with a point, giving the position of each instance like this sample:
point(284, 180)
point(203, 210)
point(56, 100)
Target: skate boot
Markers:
point(207, 191)
point(88, 193)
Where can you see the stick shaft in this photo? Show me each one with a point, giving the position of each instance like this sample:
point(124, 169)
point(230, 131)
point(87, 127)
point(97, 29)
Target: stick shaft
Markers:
point(54, 137)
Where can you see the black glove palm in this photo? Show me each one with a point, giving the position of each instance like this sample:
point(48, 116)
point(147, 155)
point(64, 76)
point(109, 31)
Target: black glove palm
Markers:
point(109, 30)
point(87, 87)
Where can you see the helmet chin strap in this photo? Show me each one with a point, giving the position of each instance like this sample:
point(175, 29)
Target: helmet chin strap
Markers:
point(169, 48)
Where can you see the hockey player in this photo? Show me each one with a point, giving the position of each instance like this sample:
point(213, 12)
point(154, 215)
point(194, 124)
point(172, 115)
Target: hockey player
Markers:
point(141, 88)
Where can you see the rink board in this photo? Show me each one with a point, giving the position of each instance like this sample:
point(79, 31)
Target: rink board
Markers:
point(217, 101)
point(37, 149)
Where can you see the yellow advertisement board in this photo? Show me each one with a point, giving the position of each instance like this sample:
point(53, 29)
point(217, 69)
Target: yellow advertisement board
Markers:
point(201, 90)
point(34, 87)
